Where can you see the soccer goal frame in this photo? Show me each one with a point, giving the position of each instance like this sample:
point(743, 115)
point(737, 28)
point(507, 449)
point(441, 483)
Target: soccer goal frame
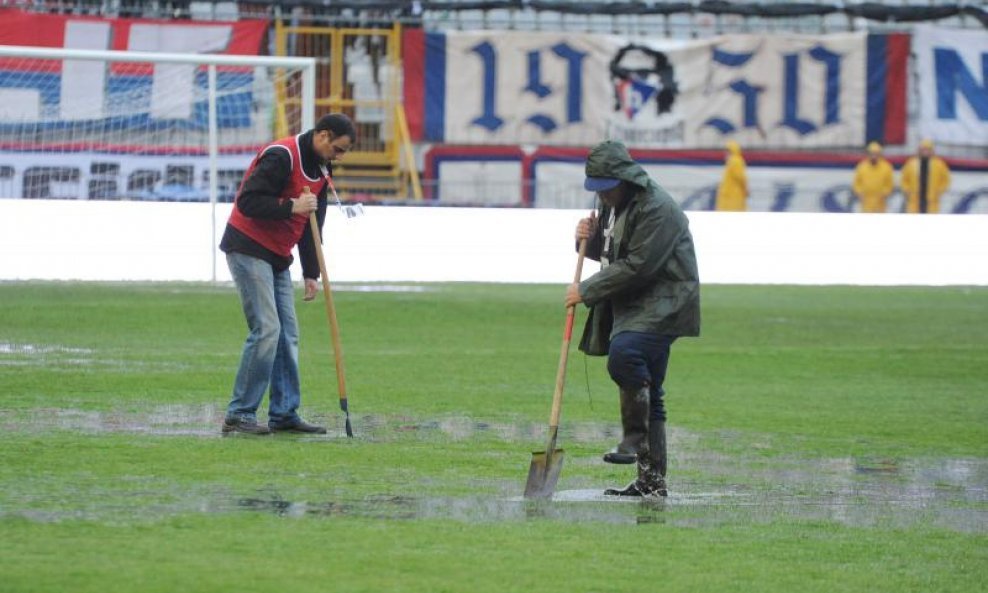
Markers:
point(305, 97)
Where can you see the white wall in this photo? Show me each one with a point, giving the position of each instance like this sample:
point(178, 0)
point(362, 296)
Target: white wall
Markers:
point(89, 240)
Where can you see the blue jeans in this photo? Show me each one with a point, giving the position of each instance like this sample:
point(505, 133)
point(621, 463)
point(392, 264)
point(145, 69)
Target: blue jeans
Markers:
point(270, 356)
point(635, 360)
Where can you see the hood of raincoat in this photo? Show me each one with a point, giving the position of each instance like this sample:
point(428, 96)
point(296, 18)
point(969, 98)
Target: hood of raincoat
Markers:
point(610, 158)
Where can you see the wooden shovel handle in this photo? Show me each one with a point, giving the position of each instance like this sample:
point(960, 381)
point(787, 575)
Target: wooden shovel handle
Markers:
point(557, 396)
point(334, 328)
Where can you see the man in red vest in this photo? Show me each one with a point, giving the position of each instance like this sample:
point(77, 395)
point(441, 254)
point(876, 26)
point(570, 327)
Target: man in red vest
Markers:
point(284, 184)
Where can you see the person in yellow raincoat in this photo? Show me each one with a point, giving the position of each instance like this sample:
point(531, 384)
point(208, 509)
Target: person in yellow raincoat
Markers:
point(873, 180)
point(925, 178)
point(732, 193)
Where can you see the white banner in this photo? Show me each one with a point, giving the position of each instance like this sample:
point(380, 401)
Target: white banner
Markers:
point(559, 184)
point(825, 187)
point(779, 91)
point(112, 241)
point(953, 84)
point(101, 176)
point(514, 87)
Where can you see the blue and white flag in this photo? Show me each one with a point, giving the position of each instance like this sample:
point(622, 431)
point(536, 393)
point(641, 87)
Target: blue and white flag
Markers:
point(953, 85)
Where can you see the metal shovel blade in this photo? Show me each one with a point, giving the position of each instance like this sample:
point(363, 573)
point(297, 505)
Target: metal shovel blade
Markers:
point(543, 474)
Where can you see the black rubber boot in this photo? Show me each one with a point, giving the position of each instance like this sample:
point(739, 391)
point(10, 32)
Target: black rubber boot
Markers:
point(634, 422)
point(651, 480)
point(629, 490)
point(652, 463)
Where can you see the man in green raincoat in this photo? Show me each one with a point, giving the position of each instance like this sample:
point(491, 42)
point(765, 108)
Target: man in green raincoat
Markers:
point(646, 294)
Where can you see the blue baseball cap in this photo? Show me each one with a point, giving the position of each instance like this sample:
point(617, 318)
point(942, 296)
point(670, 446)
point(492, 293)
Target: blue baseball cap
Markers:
point(600, 183)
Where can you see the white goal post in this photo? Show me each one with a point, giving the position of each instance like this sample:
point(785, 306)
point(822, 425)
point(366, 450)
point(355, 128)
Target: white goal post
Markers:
point(123, 125)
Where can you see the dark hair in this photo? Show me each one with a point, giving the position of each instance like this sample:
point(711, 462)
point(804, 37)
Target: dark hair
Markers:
point(339, 124)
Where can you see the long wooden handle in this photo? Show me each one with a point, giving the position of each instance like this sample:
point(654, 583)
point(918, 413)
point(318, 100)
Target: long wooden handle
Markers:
point(557, 396)
point(334, 328)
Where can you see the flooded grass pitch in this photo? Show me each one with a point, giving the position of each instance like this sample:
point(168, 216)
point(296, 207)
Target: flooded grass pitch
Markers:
point(821, 439)
point(707, 488)
point(951, 494)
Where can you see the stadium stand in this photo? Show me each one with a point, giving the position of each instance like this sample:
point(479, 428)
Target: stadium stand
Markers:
point(363, 48)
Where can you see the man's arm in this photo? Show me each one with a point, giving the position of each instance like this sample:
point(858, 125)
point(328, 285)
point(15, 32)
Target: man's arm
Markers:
point(857, 186)
point(259, 196)
point(907, 177)
point(944, 177)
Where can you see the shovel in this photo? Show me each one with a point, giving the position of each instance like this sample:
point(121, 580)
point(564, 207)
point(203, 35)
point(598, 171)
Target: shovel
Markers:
point(546, 465)
point(334, 327)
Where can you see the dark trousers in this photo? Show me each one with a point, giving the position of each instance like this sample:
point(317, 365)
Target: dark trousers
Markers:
point(638, 359)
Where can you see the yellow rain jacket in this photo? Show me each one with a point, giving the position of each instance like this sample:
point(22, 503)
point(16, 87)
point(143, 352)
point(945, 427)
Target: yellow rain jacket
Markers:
point(873, 183)
point(732, 194)
point(937, 182)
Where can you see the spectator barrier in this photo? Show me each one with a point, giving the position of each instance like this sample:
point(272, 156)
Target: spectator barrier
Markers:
point(161, 241)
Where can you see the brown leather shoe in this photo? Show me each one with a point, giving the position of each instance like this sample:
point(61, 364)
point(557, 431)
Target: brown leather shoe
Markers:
point(245, 426)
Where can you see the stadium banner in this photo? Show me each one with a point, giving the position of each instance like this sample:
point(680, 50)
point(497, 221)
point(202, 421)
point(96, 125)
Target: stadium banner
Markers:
point(552, 177)
point(87, 175)
point(242, 37)
point(952, 78)
point(81, 129)
point(778, 182)
point(888, 57)
point(781, 91)
point(52, 94)
point(805, 188)
point(474, 175)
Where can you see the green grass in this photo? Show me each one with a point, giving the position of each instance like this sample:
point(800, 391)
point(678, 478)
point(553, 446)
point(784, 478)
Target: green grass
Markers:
point(262, 553)
point(802, 422)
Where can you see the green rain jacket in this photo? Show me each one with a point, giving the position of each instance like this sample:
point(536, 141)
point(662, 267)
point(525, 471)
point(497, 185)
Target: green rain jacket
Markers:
point(651, 284)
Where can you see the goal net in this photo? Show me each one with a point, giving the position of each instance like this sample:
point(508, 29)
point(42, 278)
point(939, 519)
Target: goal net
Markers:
point(108, 125)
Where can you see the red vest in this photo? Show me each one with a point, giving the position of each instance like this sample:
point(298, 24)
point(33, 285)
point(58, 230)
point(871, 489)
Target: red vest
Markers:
point(279, 236)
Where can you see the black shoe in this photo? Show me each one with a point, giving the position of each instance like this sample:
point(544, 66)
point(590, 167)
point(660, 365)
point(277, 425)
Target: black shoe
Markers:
point(299, 426)
point(231, 425)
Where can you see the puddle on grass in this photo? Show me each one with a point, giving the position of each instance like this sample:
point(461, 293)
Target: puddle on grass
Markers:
point(54, 357)
point(707, 487)
point(469, 509)
point(22, 355)
point(166, 420)
point(693, 505)
point(7, 348)
point(205, 420)
point(383, 288)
